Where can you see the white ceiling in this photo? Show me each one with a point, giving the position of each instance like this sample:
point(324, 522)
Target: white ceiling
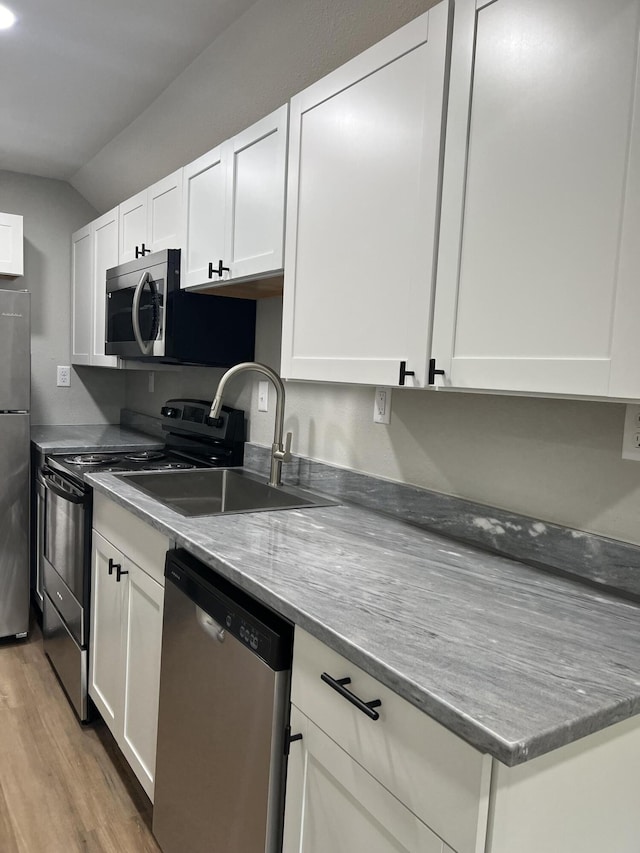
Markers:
point(74, 73)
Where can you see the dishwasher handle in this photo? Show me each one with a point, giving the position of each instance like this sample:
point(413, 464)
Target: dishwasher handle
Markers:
point(209, 625)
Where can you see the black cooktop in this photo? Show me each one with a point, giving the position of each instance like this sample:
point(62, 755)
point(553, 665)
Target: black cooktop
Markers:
point(193, 440)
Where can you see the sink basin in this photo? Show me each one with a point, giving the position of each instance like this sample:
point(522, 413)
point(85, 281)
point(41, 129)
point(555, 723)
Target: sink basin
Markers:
point(220, 490)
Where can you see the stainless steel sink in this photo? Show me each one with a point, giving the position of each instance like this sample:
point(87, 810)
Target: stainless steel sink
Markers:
point(220, 490)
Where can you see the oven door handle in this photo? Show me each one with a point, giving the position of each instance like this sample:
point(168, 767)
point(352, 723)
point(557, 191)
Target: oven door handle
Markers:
point(146, 347)
point(51, 487)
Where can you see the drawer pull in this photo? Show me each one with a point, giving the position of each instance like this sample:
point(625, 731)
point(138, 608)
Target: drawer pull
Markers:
point(338, 684)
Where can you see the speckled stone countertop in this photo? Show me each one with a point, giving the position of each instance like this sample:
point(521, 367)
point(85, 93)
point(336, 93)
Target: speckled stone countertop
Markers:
point(85, 438)
point(513, 659)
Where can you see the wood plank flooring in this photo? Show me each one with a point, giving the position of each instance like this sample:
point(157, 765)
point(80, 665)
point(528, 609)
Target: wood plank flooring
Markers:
point(64, 788)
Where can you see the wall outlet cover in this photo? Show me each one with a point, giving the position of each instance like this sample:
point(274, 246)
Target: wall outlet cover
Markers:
point(382, 406)
point(63, 376)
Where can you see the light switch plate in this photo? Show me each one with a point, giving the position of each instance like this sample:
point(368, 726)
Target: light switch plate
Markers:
point(631, 438)
point(263, 395)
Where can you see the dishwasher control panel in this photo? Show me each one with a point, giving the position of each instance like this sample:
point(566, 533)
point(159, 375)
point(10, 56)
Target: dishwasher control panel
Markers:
point(254, 625)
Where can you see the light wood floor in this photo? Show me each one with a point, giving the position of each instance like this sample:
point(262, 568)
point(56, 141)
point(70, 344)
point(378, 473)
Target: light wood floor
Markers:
point(63, 787)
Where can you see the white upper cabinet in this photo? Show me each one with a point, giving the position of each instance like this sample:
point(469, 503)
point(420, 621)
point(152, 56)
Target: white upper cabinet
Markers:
point(152, 220)
point(105, 255)
point(362, 212)
point(256, 182)
point(94, 250)
point(234, 206)
point(133, 227)
point(81, 295)
point(539, 251)
point(204, 212)
point(11, 245)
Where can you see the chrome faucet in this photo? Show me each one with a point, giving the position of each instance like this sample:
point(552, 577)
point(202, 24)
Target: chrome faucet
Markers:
point(279, 454)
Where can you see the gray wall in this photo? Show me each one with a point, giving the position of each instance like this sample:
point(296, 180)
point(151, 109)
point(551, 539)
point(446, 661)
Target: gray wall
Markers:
point(52, 211)
point(273, 51)
point(556, 460)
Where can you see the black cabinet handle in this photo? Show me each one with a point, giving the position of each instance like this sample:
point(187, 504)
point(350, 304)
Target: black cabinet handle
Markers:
point(338, 684)
point(119, 572)
point(113, 566)
point(404, 372)
point(217, 270)
point(142, 250)
point(433, 372)
point(289, 739)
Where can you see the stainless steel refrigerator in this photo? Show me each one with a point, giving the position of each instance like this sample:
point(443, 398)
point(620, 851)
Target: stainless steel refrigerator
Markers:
point(15, 393)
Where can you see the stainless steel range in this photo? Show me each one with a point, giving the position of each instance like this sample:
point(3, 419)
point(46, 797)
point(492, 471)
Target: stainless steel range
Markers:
point(193, 440)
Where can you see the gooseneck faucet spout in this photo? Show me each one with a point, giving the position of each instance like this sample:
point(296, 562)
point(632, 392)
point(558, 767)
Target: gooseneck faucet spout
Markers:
point(279, 454)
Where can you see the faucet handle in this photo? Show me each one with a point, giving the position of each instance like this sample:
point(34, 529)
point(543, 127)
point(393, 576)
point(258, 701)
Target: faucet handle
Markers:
point(284, 455)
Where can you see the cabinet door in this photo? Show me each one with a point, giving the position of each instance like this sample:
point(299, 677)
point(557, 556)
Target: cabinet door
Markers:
point(256, 183)
point(536, 180)
point(11, 245)
point(333, 804)
point(105, 256)
point(142, 644)
point(204, 191)
point(106, 681)
point(81, 295)
point(164, 213)
point(363, 198)
point(133, 227)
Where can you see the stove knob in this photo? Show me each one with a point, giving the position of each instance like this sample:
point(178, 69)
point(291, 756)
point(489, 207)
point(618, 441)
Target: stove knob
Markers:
point(170, 412)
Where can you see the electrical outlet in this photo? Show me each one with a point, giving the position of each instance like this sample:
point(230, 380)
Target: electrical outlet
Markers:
point(64, 376)
point(382, 406)
point(263, 396)
point(631, 438)
point(151, 381)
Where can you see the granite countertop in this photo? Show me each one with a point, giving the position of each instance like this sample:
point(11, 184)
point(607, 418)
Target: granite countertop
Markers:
point(515, 660)
point(85, 438)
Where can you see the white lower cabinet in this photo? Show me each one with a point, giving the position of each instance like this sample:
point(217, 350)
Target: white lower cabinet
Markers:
point(336, 805)
point(401, 782)
point(405, 783)
point(126, 633)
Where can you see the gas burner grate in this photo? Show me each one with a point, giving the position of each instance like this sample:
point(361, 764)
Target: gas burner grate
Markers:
point(90, 459)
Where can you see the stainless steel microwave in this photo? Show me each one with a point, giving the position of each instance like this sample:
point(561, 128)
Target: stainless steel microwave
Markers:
point(148, 317)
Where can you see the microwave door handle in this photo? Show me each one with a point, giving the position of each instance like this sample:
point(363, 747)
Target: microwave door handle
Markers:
point(146, 347)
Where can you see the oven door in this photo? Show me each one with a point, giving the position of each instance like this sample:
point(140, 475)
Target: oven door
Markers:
point(136, 312)
point(65, 549)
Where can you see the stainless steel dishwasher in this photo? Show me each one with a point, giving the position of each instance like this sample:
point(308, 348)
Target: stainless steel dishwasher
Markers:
point(224, 699)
